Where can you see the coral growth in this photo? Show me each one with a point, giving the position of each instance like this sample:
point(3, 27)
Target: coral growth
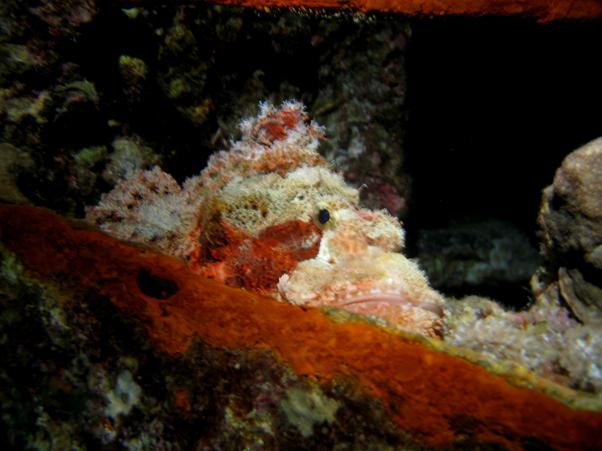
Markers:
point(270, 215)
point(544, 339)
point(185, 94)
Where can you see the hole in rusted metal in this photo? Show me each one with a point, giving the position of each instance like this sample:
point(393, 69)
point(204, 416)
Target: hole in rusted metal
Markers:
point(155, 286)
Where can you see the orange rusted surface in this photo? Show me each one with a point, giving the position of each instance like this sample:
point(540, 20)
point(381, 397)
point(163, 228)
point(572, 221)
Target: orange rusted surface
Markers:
point(182, 400)
point(426, 392)
point(542, 10)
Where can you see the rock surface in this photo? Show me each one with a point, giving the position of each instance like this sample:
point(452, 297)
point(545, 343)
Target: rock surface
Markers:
point(571, 228)
point(94, 88)
point(476, 255)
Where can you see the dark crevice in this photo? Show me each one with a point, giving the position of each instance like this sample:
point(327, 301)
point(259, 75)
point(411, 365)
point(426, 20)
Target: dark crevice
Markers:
point(495, 106)
point(155, 286)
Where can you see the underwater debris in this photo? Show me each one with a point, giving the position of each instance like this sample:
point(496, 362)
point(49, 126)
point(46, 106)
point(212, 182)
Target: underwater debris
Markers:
point(270, 215)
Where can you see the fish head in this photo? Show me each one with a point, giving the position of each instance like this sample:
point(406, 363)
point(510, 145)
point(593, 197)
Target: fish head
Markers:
point(360, 268)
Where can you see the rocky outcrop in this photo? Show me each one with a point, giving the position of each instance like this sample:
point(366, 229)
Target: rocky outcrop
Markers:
point(95, 88)
point(559, 336)
point(476, 256)
point(571, 229)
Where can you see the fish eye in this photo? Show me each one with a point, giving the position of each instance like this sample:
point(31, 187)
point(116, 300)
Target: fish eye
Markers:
point(323, 215)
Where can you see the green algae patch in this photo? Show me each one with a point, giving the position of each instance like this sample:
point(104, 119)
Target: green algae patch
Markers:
point(305, 408)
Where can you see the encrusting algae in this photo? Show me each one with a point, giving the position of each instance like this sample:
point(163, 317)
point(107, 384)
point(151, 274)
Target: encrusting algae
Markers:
point(270, 215)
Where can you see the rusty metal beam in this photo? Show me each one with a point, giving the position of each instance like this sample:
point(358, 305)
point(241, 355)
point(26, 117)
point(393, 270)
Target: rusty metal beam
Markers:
point(541, 10)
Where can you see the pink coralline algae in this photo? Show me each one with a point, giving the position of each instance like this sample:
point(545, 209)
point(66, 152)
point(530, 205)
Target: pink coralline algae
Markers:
point(270, 215)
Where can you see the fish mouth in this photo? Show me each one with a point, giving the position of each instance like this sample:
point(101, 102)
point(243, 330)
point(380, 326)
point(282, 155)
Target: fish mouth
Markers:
point(396, 299)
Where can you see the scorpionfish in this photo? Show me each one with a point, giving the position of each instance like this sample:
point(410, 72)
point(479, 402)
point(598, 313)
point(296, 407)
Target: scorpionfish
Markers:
point(271, 215)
